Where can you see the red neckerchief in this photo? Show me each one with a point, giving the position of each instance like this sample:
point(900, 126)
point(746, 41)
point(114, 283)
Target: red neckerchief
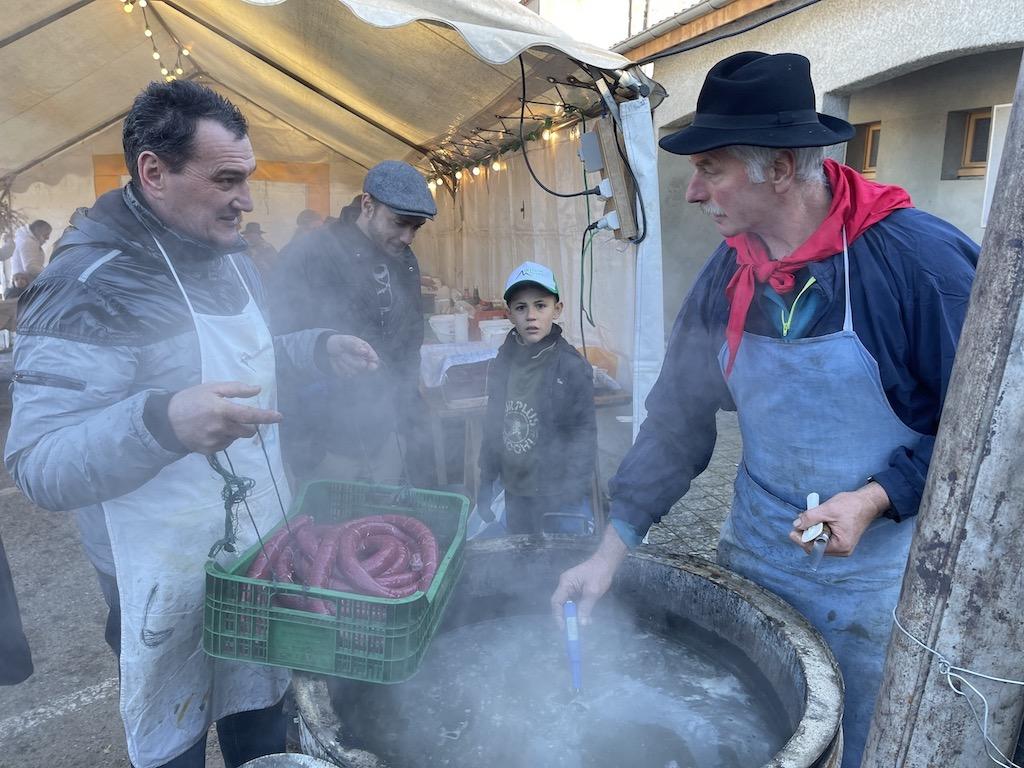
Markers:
point(856, 203)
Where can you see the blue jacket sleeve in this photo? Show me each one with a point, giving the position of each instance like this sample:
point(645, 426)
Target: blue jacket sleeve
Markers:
point(678, 436)
point(933, 282)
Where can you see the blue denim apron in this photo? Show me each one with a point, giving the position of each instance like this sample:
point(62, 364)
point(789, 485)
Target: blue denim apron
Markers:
point(814, 418)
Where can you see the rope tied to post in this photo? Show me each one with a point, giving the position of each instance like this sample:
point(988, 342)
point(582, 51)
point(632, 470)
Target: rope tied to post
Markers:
point(955, 677)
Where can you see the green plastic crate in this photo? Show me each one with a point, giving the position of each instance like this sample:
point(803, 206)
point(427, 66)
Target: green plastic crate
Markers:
point(374, 639)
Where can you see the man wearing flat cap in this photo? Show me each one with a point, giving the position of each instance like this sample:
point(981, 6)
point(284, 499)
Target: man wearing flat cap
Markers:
point(360, 272)
point(828, 319)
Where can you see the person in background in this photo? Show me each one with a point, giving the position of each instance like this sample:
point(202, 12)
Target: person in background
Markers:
point(540, 430)
point(360, 275)
point(828, 320)
point(262, 253)
point(141, 352)
point(28, 256)
point(306, 222)
point(19, 282)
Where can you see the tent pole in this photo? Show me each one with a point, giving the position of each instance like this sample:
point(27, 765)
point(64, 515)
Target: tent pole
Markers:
point(84, 136)
point(323, 144)
point(43, 22)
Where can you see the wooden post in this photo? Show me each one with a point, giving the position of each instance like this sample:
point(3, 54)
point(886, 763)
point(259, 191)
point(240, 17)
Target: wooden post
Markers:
point(963, 590)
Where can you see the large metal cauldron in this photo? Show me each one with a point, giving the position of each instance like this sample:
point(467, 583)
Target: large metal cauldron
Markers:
point(666, 590)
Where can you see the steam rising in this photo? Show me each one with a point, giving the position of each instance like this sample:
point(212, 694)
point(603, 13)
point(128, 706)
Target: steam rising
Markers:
point(497, 693)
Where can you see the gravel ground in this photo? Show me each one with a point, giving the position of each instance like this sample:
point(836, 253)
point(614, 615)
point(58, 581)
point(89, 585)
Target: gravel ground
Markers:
point(66, 714)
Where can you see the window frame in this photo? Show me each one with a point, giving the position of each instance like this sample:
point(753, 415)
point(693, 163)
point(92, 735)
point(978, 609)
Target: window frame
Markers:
point(872, 135)
point(967, 166)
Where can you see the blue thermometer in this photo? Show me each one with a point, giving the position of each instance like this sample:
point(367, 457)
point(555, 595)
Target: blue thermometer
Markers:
point(572, 645)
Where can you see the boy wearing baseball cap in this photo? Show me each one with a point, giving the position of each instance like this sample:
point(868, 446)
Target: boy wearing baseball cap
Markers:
point(540, 432)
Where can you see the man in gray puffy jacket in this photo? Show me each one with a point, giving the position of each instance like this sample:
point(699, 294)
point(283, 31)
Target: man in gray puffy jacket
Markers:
point(142, 350)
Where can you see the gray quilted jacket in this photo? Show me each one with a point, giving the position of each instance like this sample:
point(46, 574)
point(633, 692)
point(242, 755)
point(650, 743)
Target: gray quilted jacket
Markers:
point(104, 339)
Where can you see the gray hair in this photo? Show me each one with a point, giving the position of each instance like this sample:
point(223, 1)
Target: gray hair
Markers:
point(758, 160)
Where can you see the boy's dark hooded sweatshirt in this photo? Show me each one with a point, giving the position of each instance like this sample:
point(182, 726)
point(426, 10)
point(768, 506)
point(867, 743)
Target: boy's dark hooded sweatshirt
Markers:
point(548, 440)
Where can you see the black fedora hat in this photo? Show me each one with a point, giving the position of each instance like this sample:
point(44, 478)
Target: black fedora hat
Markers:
point(761, 100)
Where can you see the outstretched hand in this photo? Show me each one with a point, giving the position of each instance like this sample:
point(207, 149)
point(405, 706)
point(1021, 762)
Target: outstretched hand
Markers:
point(205, 421)
point(350, 355)
point(847, 514)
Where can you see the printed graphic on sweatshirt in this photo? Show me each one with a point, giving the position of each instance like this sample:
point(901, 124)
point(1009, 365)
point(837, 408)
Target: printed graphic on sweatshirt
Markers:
point(519, 430)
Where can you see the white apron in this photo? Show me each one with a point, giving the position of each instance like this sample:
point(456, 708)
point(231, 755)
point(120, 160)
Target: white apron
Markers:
point(161, 534)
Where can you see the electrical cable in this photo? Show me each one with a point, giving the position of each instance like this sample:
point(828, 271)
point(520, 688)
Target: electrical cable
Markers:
point(725, 36)
point(526, 155)
point(583, 250)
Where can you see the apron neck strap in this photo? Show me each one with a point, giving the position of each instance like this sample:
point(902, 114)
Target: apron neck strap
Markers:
point(174, 274)
point(848, 317)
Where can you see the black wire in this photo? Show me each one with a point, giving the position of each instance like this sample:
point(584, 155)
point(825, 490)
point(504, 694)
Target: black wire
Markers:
point(583, 250)
point(270, 469)
point(526, 155)
point(725, 36)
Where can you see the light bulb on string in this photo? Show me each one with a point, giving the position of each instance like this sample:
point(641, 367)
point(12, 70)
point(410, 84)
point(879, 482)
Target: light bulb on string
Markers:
point(179, 71)
point(148, 32)
point(185, 52)
point(439, 181)
point(128, 7)
point(476, 170)
point(164, 72)
point(458, 175)
point(431, 185)
point(156, 55)
point(143, 3)
point(496, 165)
point(546, 135)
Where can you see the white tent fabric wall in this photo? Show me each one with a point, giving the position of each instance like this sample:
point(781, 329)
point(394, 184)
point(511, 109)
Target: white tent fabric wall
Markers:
point(502, 218)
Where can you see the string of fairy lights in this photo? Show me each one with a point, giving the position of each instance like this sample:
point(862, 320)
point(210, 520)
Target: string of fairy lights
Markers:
point(460, 158)
point(169, 73)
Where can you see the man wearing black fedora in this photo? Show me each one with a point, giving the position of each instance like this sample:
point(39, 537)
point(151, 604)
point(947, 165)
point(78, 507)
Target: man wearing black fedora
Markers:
point(828, 319)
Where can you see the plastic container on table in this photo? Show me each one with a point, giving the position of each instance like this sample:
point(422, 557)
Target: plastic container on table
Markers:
point(443, 327)
point(374, 639)
point(493, 332)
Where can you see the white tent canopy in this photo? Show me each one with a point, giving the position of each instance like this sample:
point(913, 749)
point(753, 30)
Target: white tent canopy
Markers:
point(369, 80)
point(346, 83)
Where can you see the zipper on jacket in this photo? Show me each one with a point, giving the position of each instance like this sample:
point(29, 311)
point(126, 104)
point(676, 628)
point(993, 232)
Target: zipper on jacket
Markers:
point(787, 320)
point(47, 380)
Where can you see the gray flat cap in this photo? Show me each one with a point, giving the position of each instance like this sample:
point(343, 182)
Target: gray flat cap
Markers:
point(401, 188)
